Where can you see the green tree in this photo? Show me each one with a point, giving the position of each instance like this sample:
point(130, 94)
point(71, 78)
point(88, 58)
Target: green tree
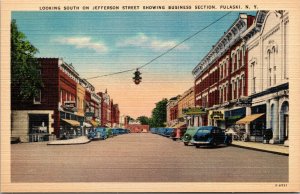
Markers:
point(143, 120)
point(25, 75)
point(159, 114)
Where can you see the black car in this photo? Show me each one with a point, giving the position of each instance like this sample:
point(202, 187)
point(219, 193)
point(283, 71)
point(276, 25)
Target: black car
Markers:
point(211, 135)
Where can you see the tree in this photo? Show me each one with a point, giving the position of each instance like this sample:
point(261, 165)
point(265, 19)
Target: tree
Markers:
point(159, 114)
point(25, 74)
point(143, 120)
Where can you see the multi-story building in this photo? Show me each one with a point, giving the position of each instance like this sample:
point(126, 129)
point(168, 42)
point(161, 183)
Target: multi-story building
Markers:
point(221, 77)
point(105, 108)
point(186, 101)
point(54, 110)
point(268, 58)
point(115, 115)
point(172, 111)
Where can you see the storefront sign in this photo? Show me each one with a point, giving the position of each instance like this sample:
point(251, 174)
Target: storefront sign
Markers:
point(69, 106)
point(244, 102)
point(89, 114)
point(217, 114)
point(194, 111)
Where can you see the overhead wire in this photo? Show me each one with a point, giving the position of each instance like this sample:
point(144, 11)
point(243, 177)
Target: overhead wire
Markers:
point(166, 52)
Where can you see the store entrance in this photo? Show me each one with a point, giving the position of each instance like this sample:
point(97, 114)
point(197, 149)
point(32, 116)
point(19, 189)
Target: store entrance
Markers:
point(38, 127)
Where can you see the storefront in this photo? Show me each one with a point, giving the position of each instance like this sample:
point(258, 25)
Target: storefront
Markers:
point(233, 115)
point(217, 118)
point(38, 127)
point(257, 128)
point(69, 128)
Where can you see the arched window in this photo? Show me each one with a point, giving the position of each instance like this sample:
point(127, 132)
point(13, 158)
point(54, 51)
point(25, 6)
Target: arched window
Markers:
point(232, 62)
point(269, 69)
point(237, 59)
point(274, 66)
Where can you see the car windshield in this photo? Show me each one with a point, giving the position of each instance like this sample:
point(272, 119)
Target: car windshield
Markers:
point(191, 129)
point(204, 131)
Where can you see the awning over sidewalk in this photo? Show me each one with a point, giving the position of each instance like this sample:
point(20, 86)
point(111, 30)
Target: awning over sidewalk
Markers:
point(248, 119)
point(180, 125)
point(86, 124)
point(72, 122)
point(94, 123)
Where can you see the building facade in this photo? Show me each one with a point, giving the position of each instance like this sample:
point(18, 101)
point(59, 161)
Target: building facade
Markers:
point(221, 78)
point(64, 105)
point(186, 101)
point(172, 112)
point(268, 59)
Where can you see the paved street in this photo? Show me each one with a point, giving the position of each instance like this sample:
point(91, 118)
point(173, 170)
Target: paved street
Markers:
point(143, 158)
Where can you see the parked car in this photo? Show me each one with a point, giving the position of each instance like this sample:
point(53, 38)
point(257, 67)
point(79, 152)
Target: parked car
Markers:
point(211, 135)
point(168, 132)
point(189, 134)
point(97, 133)
point(161, 131)
point(178, 133)
point(153, 130)
point(109, 132)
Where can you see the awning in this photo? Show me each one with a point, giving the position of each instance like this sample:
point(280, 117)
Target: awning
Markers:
point(94, 123)
point(72, 122)
point(248, 119)
point(86, 124)
point(179, 125)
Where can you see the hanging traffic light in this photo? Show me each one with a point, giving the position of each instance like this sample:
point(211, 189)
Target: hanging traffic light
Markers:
point(137, 78)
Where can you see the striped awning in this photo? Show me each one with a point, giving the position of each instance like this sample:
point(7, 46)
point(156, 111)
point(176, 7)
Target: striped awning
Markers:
point(179, 125)
point(94, 123)
point(248, 119)
point(72, 122)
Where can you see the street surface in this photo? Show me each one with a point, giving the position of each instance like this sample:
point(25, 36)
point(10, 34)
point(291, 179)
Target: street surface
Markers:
point(143, 157)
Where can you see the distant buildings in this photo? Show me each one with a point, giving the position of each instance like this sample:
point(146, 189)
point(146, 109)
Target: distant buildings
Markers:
point(64, 107)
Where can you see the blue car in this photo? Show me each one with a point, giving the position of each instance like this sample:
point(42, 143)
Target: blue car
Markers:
point(211, 135)
point(97, 133)
point(169, 132)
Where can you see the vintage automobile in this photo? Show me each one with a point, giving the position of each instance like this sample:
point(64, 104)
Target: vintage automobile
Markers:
point(168, 132)
point(97, 133)
point(189, 134)
point(211, 135)
point(178, 133)
point(161, 131)
point(109, 132)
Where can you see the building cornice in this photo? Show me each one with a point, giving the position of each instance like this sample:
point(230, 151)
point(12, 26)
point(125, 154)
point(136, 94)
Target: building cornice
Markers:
point(224, 43)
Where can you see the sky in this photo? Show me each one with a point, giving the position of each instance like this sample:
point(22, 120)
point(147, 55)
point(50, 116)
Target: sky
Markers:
point(100, 43)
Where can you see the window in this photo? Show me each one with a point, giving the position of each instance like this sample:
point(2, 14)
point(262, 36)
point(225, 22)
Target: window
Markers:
point(269, 69)
point(38, 98)
point(232, 62)
point(238, 59)
point(253, 77)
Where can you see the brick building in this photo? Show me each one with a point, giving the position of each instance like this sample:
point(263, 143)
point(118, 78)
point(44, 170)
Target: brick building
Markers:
point(54, 107)
point(221, 77)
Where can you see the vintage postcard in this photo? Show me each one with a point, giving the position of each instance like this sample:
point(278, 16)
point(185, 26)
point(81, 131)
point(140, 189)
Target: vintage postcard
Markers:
point(149, 96)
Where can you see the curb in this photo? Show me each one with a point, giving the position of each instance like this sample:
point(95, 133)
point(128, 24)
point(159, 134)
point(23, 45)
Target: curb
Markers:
point(262, 150)
point(68, 143)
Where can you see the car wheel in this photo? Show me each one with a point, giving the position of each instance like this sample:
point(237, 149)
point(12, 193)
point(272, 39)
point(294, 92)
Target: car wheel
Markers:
point(174, 139)
point(228, 143)
point(214, 144)
point(186, 143)
point(197, 146)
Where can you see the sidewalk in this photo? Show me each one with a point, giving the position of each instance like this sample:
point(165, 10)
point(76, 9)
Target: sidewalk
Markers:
point(78, 140)
point(271, 148)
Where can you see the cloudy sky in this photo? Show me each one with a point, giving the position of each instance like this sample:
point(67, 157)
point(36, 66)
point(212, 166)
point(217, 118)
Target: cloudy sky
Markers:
point(99, 43)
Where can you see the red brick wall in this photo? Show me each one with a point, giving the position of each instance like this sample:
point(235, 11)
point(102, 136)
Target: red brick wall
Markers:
point(50, 95)
point(136, 128)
